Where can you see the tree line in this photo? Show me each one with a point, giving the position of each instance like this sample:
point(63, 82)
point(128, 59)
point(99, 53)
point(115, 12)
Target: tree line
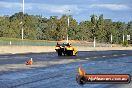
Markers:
point(54, 28)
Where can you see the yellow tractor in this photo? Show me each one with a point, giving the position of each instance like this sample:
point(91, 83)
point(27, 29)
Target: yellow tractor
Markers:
point(65, 49)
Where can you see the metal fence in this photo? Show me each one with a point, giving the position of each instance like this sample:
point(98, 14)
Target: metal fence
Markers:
point(49, 43)
point(26, 43)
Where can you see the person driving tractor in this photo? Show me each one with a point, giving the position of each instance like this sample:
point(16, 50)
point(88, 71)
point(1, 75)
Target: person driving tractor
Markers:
point(65, 49)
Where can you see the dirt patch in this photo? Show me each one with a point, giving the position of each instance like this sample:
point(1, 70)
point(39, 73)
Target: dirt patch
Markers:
point(40, 49)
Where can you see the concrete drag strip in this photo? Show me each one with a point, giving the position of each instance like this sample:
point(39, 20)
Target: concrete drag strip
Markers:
point(10, 81)
point(38, 64)
point(50, 71)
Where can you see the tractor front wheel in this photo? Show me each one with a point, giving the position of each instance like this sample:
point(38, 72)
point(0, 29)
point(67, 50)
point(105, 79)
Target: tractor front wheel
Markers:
point(59, 53)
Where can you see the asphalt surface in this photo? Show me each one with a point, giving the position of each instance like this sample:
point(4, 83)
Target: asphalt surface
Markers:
point(50, 71)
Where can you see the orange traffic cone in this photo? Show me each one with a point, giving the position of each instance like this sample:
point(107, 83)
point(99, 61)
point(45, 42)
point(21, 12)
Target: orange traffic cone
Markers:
point(29, 62)
point(81, 71)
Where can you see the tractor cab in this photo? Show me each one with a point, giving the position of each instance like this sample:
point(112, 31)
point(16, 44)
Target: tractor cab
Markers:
point(65, 49)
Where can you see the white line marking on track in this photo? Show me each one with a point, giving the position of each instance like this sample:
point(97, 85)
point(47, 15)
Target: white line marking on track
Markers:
point(123, 54)
point(103, 56)
point(87, 58)
point(94, 57)
point(115, 55)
